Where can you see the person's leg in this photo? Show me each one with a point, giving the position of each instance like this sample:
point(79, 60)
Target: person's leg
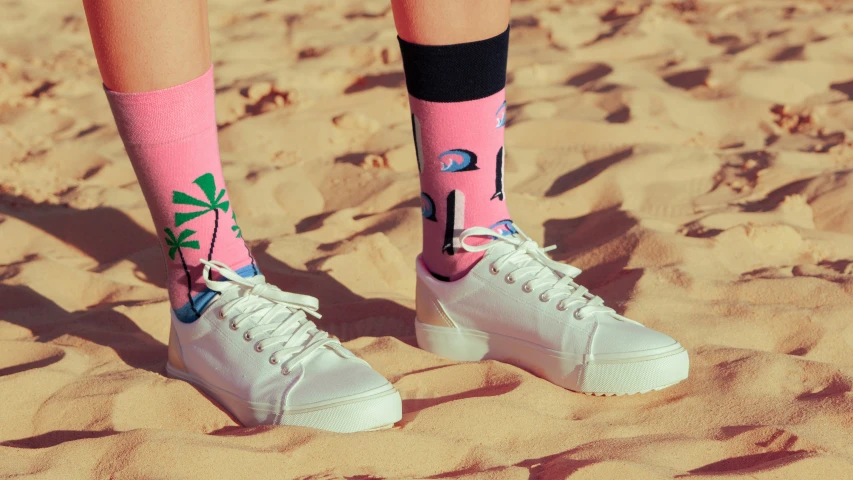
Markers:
point(244, 342)
point(448, 22)
point(454, 57)
point(154, 58)
point(150, 45)
point(484, 289)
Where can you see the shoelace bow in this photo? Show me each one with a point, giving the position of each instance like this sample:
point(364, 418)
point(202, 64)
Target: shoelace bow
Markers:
point(531, 262)
point(278, 317)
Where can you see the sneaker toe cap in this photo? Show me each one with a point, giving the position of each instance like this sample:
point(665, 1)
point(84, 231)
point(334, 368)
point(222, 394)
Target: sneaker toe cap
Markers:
point(623, 337)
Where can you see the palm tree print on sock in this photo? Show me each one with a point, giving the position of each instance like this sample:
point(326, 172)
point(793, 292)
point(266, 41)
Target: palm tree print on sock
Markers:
point(176, 244)
point(236, 228)
point(207, 184)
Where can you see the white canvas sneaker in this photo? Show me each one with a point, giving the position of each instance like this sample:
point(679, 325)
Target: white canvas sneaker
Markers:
point(255, 351)
point(518, 306)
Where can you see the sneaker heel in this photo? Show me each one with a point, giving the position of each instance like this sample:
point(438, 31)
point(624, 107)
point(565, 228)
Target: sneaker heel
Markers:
point(451, 342)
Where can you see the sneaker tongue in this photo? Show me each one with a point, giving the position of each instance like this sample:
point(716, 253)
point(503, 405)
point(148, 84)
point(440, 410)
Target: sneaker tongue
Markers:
point(547, 273)
point(229, 294)
point(256, 319)
point(502, 248)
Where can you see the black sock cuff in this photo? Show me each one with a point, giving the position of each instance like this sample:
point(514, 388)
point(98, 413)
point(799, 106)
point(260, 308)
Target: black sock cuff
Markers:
point(456, 73)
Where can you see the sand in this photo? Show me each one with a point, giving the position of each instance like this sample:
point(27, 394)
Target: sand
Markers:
point(694, 158)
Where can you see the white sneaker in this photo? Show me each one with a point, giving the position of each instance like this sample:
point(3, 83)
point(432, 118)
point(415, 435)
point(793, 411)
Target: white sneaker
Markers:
point(518, 306)
point(255, 352)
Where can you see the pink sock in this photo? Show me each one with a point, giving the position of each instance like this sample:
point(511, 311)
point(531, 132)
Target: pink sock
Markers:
point(460, 155)
point(457, 98)
point(170, 137)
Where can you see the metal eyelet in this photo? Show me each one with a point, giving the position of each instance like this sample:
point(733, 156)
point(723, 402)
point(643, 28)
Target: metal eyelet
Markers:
point(562, 307)
point(493, 270)
point(509, 278)
point(273, 360)
point(221, 314)
point(578, 315)
point(258, 347)
point(285, 372)
point(544, 298)
point(233, 326)
point(527, 288)
point(247, 337)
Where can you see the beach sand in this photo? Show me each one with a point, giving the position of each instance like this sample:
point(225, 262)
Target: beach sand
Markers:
point(695, 158)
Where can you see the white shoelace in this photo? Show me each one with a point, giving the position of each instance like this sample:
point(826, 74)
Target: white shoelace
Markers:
point(279, 319)
point(529, 261)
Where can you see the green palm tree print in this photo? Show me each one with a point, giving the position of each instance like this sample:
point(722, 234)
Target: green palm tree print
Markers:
point(235, 227)
point(176, 245)
point(212, 203)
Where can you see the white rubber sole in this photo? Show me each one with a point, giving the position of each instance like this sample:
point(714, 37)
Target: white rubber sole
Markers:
point(372, 410)
point(612, 374)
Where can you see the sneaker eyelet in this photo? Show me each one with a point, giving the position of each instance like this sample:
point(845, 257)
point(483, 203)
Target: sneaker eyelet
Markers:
point(527, 288)
point(285, 372)
point(233, 326)
point(562, 307)
point(258, 347)
point(221, 314)
point(273, 360)
point(578, 315)
point(247, 337)
point(493, 270)
point(544, 298)
point(509, 279)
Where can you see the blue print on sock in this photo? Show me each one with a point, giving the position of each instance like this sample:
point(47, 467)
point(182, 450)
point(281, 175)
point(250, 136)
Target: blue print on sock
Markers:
point(428, 207)
point(500, 116)
point(504, 227)
point(458, 160)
